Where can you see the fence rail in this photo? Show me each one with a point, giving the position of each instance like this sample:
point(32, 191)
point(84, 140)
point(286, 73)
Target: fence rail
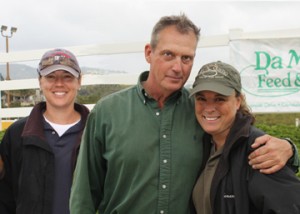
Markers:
point(106, 49)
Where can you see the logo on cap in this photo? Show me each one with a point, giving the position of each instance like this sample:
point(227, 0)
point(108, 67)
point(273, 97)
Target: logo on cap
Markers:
point(212, 71)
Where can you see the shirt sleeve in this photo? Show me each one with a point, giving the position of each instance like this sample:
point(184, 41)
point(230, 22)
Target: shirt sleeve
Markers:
point(86, 192)
point(294, 161)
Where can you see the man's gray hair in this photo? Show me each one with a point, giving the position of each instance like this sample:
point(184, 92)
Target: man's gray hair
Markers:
point(183, 24)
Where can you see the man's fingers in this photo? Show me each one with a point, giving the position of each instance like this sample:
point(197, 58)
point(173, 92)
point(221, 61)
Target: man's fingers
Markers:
point(271, 170)
point(258, 152)
point(262, 164)
point(266, 167)
point(260, 141)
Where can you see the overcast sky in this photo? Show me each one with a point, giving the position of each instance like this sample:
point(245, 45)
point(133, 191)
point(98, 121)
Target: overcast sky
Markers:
point(62, 23)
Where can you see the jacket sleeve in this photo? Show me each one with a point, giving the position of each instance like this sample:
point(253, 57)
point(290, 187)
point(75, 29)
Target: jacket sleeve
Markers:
point(7, 202)
point(275, 193)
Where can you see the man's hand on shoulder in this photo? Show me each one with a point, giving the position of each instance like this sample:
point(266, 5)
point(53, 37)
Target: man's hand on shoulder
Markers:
point(270, 155)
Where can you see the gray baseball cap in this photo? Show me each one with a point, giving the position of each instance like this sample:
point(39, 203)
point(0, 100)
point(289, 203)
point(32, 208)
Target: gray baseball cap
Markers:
point(218, 77)
point(58, 59)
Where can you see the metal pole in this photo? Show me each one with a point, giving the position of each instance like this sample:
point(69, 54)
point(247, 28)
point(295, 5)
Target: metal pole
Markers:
point(7, 74)
point(7, 64)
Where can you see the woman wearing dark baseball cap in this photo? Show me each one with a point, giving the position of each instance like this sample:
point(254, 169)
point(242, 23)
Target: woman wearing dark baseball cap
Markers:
point(40, 151)
point(228, 184)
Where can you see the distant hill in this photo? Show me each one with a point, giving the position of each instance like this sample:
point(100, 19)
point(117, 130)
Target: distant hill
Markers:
point(18, 71)
point(21, 71)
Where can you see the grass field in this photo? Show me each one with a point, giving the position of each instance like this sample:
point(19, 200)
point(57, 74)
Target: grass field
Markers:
point(278, 125)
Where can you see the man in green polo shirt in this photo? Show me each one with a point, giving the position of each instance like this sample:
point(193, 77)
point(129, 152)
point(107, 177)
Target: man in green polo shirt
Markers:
point(141, 150)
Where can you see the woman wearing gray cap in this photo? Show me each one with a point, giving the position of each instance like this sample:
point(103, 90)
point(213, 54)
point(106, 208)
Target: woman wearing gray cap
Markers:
point(40, 151)
point(227, 184)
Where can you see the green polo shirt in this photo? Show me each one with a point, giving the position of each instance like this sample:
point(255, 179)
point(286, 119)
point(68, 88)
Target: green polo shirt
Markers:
point(137, 158)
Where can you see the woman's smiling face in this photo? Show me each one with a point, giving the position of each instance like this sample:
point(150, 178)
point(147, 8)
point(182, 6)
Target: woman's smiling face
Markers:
point(216, 112)
point(60, 88)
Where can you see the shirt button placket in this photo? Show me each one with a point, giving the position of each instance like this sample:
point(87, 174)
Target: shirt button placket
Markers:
point(164, 174)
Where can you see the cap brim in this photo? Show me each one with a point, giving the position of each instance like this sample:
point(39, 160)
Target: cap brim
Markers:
point(53, 68)
point(215, 87)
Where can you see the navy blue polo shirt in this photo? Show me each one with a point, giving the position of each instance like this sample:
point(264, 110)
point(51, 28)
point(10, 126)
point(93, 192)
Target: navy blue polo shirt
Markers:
point(62, 148)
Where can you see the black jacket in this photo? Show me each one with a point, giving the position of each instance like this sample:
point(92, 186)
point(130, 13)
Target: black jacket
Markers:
point(27, 186)
point(237, 188)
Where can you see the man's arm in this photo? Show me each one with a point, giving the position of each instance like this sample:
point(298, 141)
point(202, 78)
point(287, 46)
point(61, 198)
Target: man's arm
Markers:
point(271, 154)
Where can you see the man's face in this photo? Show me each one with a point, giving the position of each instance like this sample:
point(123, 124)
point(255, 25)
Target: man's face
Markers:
point(172, 60)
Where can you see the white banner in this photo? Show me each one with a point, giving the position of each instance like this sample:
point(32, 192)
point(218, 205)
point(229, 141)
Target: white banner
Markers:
point(270, 72)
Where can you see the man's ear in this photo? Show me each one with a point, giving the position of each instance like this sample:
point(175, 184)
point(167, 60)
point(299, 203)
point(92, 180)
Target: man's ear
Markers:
point(147, 52)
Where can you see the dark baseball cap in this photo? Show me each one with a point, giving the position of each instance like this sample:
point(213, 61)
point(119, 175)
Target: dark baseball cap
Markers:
point(58, 59)
point(218, 77)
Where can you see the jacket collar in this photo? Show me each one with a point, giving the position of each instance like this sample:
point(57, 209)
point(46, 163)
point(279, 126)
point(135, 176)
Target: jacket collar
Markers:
point(34, 125)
